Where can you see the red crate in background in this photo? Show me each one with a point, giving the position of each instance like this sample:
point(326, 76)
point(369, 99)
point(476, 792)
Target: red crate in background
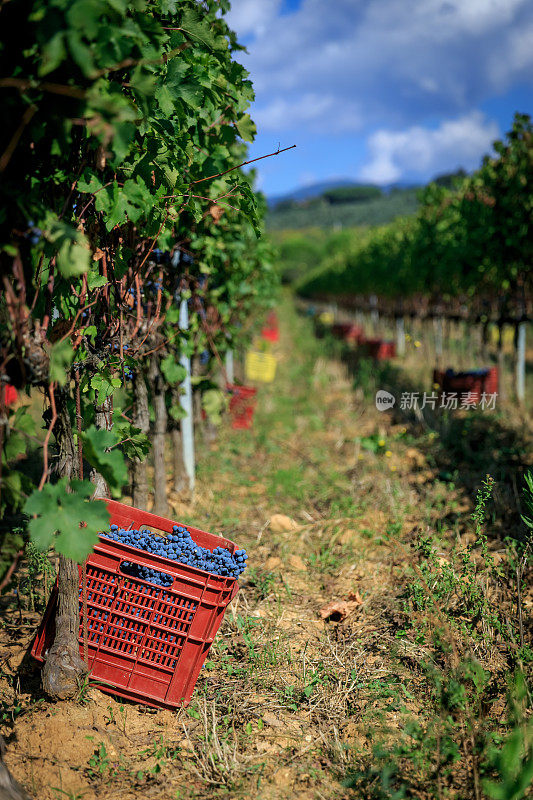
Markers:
point(10, 394)
point(438, 378)
point(270, 332)
point(380, 349)
point(492, 381)
point(477, 382)
point(242, 406)
point(145, 642)
point(348, 331)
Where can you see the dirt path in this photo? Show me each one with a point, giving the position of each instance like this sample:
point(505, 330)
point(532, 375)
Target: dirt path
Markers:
point(329, 497)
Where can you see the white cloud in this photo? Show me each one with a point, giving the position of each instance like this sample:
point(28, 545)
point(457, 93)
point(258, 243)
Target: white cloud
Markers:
point(311, 109)
point(252, 17)
point(422, 152)
point(391, 63)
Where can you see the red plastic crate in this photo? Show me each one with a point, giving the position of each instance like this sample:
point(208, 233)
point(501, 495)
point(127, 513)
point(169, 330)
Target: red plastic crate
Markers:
point(10, 394)
point(145, 642)
point(477, 382)
point(438, 378)
point(380, 349)
point(348, 331)
point(242, 406)
point(270, 334)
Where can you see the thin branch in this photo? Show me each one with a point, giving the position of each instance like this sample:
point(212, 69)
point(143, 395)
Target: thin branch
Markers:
point(10, 149)
point(48, 435)
point(80, 312)
point(244, 164)
point(134, 62)
point(53, 88)
point(7, 577)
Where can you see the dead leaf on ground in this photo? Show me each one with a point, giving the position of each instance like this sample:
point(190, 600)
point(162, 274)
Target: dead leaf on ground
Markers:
point(281, 523)
point(416, 456)
point(273, 563)
point(272, 720)
point(297, 563)
point(338, 610)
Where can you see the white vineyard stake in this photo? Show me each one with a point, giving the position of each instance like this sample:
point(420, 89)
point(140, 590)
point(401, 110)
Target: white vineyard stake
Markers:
point(521, 362)
point(230, 373)
point(400, 336)
point(437, 323)
point(187, 426)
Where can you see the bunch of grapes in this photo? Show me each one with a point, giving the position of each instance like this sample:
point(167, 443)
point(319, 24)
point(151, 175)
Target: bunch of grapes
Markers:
point(178, 546)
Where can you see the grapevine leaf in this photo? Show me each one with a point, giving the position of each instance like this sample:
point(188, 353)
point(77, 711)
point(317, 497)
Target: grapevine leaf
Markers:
point(246, 127)
point(71, 247)
point(214, 403)
point(61, 356)
point(165, 98)
point(57, 513)
point(14, 446)
point(109, 462)
point(192, 25)
point(177, 412)
point(53, 54)
point(173, 372)
point(103, 385)
point(95, 281)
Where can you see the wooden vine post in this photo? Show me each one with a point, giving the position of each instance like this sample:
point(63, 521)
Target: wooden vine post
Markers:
point(141, 420)
point(158, 441)
point(64, 670)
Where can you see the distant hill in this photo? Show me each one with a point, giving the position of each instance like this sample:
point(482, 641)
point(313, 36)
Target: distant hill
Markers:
point(345, 203)
point(342, 205)
point(317, 189)
point(307, 192)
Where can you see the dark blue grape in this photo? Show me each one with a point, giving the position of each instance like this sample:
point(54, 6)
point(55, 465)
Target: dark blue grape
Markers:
point(177, 546)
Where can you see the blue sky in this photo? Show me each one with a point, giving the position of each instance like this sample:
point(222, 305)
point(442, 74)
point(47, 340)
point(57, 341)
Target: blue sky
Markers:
point(382, 90)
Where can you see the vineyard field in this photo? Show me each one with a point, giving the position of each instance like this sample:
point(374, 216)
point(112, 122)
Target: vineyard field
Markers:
point(266, 473)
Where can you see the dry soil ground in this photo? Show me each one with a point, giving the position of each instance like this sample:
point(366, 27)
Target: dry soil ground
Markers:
point(334, 670)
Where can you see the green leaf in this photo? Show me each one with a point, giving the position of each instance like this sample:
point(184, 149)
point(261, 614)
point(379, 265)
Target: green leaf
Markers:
point(53, 53)
point(61, 356)
point(165, 98)
point(95, 281)
point(73, 255)
point(109, 462)
point(104, 386)
point(23, 422)
point(177, 412)
point(58, 510)
point(214, 403)
point(196, 28)
point(14, 446)
point(172, 371)
point(246, 127)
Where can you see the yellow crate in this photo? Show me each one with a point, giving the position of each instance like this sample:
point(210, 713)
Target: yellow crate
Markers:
point(508, 335)
point(260, 366)
point(327, 318)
